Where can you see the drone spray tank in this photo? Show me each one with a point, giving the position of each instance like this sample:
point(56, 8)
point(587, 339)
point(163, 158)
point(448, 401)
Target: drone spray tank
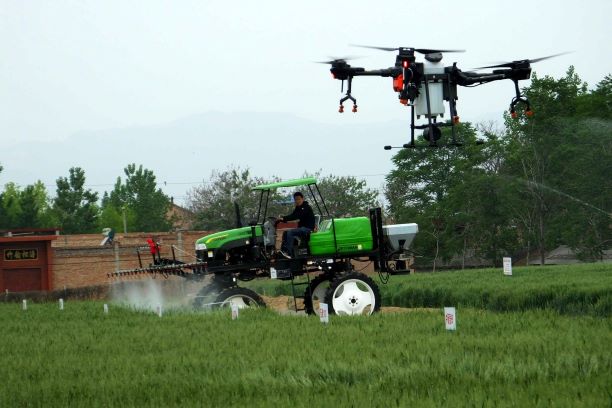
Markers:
point(432, 65)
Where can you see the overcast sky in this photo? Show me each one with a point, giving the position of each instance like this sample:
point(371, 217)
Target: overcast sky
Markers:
point(74, 66)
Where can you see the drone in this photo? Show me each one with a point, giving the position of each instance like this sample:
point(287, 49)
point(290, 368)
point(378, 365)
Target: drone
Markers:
point(425, 86)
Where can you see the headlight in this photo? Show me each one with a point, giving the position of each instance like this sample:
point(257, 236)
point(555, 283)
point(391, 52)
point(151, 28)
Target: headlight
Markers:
point(200, 247)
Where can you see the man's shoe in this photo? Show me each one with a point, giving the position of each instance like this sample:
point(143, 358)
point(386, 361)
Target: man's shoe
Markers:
point(284, 254)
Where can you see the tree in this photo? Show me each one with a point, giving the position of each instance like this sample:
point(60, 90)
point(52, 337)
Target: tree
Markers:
point(430, 186)
point(213, 202)
point(562, 156)
point(27, 208)
point(74, 206)
point(345, 196)
point(36, 210)
point(139, 200)
point(10, 207)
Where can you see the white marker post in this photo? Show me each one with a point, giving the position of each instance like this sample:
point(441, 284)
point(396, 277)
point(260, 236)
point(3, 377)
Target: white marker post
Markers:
point(61, 304)
point(24, 305)
point(450, 318)
point(235, 311)
point(507, 266)
point(105, 308)
point(324, 313)
point(159, 310)
point(273, 273)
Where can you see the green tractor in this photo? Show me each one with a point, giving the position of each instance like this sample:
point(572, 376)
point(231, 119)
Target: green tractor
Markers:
point(328, 255)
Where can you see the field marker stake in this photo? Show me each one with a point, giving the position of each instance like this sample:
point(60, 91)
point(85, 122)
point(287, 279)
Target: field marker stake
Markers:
point(450, 318)
point(235, 311)
point(507, 266)
point(61, 304)
point(105, 308)
point(324, 313)
point(25, 305)
point(159, 310)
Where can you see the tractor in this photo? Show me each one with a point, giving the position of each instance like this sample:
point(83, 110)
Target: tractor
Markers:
point(326, 258)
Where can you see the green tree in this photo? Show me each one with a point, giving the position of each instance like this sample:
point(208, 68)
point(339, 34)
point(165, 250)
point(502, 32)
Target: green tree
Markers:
point(561, 156)
point(74, 206)
point(430, 186)
point(138, 199)
point(213, 202)
point(10, 207)
point(35, 206)
point(345, 196)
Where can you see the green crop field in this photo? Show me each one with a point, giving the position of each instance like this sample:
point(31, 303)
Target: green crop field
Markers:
point(574, 289)
point(540, 357)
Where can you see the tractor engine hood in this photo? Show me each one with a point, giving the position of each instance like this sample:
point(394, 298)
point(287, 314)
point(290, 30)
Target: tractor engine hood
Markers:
point(218, 239)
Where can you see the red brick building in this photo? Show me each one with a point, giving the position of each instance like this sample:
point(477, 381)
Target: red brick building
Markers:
point(41, 261)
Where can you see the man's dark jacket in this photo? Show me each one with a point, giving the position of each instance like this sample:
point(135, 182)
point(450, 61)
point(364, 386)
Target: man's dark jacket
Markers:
point(303, 213)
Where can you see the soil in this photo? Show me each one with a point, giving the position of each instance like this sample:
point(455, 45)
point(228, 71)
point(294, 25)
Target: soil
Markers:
point(284, 305)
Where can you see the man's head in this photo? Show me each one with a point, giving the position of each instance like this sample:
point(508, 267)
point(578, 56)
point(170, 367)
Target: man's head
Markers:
point(298, 197)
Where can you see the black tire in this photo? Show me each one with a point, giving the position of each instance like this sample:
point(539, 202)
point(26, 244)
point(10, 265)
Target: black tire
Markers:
point(209, 292)
point(313, 293)
point(206, 295)
point(363, 298)
point(243, 296)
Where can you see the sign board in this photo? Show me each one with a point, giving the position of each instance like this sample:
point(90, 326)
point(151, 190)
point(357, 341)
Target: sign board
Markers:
point(235, 311)
point(324, 313)
point(507, 266)
point(20, 254)
point(450, 318)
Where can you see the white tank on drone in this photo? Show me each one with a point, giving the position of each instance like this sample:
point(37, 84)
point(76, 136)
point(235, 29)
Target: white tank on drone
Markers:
point(432, 65)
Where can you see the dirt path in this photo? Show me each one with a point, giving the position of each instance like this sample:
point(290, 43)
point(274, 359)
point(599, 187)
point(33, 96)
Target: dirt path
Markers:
point(284, 305)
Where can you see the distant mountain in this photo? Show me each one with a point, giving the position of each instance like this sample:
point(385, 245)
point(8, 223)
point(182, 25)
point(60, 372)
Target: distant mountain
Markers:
point(187, 150)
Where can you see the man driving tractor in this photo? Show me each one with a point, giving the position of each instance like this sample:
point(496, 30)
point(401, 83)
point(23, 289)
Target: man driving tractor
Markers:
point(306, 224)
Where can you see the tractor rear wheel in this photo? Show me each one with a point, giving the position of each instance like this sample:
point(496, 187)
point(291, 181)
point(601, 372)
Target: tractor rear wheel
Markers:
point(315, 293)
point(242, 297)
point(353, 294)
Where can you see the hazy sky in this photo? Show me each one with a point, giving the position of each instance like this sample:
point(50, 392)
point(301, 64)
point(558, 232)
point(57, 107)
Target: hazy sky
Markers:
point(71, 66)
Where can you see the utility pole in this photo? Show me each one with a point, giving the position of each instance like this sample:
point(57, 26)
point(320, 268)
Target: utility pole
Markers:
point(124, 220)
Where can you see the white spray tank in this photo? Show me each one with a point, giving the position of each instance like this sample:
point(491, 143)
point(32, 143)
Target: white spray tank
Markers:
point(432, 65)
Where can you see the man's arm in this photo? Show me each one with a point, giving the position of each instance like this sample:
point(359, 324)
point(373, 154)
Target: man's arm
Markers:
point(291, 217)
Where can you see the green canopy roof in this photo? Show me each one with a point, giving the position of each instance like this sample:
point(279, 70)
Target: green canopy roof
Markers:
point(289, 183)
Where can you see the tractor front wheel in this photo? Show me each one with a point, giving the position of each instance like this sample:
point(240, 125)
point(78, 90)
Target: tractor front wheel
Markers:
point(242, 297)
point(353, 294)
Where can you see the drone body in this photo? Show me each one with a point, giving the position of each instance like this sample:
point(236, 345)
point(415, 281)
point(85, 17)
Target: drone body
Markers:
point(426, 86)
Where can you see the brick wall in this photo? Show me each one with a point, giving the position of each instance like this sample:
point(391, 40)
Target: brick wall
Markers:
point(79, 260)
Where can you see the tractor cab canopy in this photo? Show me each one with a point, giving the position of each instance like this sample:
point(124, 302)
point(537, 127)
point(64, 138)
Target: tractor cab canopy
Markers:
point(309, 182)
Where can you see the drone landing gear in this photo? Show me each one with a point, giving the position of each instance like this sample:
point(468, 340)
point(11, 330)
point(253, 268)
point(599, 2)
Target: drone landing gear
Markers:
point(519, 98)
point(348, 97)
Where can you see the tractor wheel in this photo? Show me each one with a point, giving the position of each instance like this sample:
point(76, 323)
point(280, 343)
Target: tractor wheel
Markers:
point(315, 293)
point(208, 293)
point(353, 294)
point(205, 296)
point(242, 297)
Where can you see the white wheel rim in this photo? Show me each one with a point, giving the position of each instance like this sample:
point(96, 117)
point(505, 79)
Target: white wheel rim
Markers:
point(318, 294)
point(354, 297)
point(239, 300)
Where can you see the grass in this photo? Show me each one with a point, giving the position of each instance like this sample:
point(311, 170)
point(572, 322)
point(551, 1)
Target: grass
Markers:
point(81, 357)
point(575, 289)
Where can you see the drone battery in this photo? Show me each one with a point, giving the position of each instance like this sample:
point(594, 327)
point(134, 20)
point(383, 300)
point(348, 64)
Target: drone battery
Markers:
point(436, 92)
